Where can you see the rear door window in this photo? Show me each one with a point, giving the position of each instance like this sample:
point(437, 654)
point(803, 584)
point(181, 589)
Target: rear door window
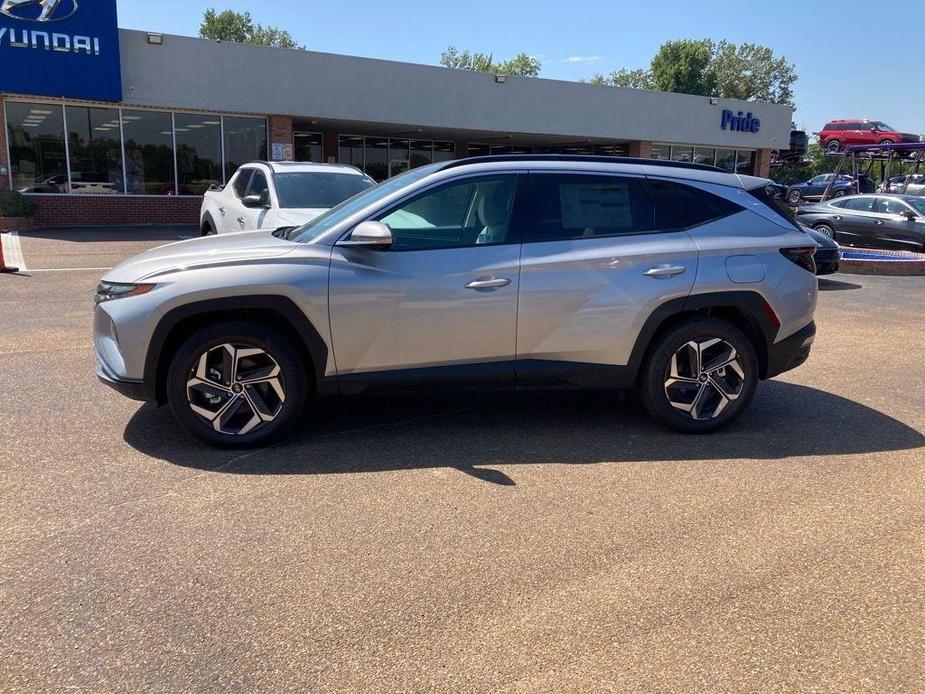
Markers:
point(860, 204)
point(580, 206)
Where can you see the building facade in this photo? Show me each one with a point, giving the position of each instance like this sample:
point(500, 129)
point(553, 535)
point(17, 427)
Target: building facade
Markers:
point(135, 126)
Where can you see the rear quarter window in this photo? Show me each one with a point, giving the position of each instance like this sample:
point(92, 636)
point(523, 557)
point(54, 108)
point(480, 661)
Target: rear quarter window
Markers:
point(679, 205)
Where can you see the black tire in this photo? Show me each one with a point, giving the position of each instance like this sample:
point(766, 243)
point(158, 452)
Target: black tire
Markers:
point(208, 227)
point(794, 197)
point(289, 372)
point(839, 193)
point(825, 230)
point(886, 141)
point(833, 146)
point(656, 371)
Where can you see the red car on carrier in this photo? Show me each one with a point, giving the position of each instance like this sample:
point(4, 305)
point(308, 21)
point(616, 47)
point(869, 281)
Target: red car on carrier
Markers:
point(840, 133)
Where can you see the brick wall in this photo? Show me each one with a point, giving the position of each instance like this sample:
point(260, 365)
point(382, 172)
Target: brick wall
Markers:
point(87, 210)
point(762, 162)
point(281, 131)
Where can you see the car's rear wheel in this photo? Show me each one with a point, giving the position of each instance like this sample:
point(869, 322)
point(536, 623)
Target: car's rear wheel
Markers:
point(838, 192)
point(833, 146)
point(885, 141)
point(237, 384)
point(794, 197)
point(699, 376)
point(825, 230)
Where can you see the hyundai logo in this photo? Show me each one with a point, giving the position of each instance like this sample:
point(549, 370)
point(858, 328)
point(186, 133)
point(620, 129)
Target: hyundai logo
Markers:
point(51, 10)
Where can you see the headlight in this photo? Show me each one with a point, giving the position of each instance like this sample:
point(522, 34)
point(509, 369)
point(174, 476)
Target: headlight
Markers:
point(107, 291)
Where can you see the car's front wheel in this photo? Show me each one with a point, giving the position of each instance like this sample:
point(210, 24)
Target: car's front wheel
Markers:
point(825, 230)
point(237, 384)
point(699, 376)
point(794, 197)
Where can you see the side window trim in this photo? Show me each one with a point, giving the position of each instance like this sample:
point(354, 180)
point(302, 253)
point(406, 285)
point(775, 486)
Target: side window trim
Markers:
point(680, 217)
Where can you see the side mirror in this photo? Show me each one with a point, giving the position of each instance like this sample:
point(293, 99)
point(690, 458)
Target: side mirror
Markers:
point(910, 215)
point(254, 201)
point(369, 235)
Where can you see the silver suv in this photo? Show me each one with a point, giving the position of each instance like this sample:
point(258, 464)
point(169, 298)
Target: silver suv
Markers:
point(680, 280)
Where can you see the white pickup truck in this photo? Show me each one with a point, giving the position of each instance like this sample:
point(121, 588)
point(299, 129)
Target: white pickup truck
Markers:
point(264, 195)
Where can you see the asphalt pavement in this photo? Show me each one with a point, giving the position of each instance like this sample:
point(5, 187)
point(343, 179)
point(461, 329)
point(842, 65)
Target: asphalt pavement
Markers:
point(517, 542)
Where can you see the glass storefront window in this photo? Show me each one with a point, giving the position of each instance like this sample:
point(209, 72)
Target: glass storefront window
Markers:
point(308, 147)
point(36, 141)
point(350, 150)
point(245, 140)
point(377, 158)
point(661, 152)
point(199, 152)
point(399, 157)
point(744, 162)
point(702, 155)
point(726, 159)
point(95, 149)
point(682, 153)
point(443, 151)
point(421, 153)
point(610, 150)
point(149, 165)
point(479, 150)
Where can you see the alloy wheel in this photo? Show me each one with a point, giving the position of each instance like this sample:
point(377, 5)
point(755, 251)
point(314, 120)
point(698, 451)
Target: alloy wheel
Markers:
point(236, 388)
point(704, 377)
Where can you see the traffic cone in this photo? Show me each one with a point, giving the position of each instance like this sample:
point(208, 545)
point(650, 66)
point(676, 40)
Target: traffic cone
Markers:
point(3, 265)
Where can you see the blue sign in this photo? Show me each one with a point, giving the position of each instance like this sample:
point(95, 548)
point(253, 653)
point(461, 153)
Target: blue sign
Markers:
point(66, 48)
point(741, 122)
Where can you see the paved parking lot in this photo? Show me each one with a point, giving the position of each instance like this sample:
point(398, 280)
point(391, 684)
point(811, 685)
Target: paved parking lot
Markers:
point(532, 542)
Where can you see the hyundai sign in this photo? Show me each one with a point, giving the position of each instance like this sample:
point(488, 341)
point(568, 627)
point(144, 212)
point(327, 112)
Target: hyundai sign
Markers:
point(67, 48)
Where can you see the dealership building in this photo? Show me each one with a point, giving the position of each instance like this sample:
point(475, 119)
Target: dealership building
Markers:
point(112, 126)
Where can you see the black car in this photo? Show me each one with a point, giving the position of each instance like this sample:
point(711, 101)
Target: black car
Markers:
point(895, 222)
point(828, 253)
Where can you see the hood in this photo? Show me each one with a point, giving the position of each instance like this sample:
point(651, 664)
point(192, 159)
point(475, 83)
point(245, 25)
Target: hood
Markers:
point(297, 216)
point(223, 249)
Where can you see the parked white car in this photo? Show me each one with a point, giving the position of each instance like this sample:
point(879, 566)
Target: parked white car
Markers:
point(264, 195)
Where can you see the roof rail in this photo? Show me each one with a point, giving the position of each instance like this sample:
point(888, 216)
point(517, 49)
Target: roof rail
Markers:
point(581, 157)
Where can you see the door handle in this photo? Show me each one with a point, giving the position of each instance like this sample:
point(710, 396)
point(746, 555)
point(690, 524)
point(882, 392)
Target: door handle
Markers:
point(837, 218)
point(664, 271)
point(878, 221)
point(241, 221)
point(221, 211)
point(488, 283)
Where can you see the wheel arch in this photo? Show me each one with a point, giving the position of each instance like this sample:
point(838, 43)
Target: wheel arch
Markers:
point(276, 311)
point(746, 310)
point(207, 219)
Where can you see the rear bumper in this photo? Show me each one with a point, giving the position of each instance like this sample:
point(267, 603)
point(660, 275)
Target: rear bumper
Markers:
point(827, 261)
point(792, 351)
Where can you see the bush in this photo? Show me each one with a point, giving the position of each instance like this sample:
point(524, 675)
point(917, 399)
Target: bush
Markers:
point(13, 204)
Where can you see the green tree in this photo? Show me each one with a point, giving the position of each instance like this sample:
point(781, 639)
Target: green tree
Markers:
point(239, 27)
point(521, 65)
point(751, 72)
point(748, 71)
point(684, 66)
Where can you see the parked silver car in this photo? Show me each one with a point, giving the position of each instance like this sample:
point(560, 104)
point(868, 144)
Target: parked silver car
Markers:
point(680, 280)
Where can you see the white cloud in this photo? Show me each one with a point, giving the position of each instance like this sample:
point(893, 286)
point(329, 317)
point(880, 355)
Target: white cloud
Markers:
point(582, 59)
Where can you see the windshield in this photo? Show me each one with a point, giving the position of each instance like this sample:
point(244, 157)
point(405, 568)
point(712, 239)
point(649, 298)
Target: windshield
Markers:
point(332, 218)
point(880, 125)
point(918, 204)
point(317, 188)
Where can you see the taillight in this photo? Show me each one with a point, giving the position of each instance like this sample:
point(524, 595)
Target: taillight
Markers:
point(802, 257)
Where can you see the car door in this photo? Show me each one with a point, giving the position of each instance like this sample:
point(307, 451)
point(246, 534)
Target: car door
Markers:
point(441, 302)
point(816, 186)
point(231, 207)
point(596, 262)
point(857, 221)
point(895, 229)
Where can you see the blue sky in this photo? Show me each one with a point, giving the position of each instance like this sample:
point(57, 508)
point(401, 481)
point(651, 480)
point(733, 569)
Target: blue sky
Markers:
point(866, 77)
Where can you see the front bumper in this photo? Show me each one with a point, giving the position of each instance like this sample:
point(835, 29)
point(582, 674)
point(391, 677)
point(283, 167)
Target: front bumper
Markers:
point(792, 351)
point(133, 390)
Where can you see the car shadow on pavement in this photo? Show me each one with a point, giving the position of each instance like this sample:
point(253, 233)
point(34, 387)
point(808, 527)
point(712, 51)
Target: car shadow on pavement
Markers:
point(471, 431)
point(830, 285)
